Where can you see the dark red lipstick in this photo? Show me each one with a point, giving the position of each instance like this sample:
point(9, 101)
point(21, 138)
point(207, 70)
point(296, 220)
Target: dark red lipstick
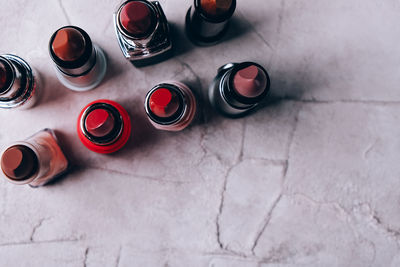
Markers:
point(207, 21)
point(239, 88)
point(104, 126)
point(142, 32)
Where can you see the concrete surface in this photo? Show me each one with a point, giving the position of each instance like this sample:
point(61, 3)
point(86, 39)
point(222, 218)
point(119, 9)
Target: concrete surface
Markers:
point(313, 179)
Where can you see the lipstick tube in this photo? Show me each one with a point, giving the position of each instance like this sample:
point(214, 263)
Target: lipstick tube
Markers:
point(142, 32)
point(104, 126)
point(170, 106)
point(18, 83)
point(207, 21)
point(35, 161)
point(80, 65)
point(238, 88)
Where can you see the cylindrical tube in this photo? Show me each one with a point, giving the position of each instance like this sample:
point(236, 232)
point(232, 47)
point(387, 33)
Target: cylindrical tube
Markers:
point(35, 161)
point(170, 106)
point(80, 65)
point(18, 83)
point(238, 88)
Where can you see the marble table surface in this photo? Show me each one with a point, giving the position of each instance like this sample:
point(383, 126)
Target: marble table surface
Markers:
point(312, 179)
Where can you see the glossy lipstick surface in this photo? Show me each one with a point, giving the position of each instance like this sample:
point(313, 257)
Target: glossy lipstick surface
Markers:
point(170, 106)
point(104, 126)
point(207, 21)
point(80, 65)
point(142, 32)
point(238, 88)
point(35, 161)
point(19, 83)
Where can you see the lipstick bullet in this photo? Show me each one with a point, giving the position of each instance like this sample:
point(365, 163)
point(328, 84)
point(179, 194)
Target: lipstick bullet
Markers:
point(18, 83)
point(207, 21)
point(35, 161)
point(238, 88)
point(80, 64)
point(104, 126)
point(170, 106)
point(142, 32)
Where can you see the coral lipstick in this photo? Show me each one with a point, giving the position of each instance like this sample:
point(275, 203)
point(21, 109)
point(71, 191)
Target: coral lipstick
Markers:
point(239, 88)
point(104, 126)
point(170, 106)
point(207, 20)
point(80, 65)
point(18, 83)
point(142, 32)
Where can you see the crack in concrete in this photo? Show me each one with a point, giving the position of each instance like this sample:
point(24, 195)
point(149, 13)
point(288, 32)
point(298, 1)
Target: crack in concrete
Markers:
point(37, 226)
point(64, 11)
point(61, 240)
point(85, 257)
point(370, 148)
point(118, 257)
point(221, 206)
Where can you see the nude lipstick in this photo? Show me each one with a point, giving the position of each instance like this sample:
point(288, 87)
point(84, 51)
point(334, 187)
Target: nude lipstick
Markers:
point(80, 65)
point(142, 32)
point(170, 106)
point(207, 20)
point(104, 126)
point(238, 88)
point(35, 161)
point(18, 83)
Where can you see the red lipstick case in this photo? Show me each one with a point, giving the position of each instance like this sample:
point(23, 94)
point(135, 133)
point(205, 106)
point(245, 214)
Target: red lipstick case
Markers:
point(142, 32)
point(104, 126)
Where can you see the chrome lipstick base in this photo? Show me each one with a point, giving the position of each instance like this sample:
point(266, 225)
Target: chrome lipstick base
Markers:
point(23, 92)
point(88, 80)
point(154, 48)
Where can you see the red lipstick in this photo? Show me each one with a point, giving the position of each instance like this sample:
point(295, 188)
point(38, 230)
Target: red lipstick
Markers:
point(207, 21)
point(170, 106)
point(104, 126)
point(18, 83)
point(80, 65)
point(239, 88)
point(35, 161)
point(142, 32)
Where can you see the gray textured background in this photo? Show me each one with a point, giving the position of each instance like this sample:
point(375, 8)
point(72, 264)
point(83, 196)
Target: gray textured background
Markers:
point(311, 180)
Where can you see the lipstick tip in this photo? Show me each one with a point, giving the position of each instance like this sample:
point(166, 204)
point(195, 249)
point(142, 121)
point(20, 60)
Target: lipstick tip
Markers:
point(164, 103)
point(19, 162)
point(100, 122)
point(5, 77)
point(216, 7)
point(136, 18)
point(68, 44)
point(250, 81)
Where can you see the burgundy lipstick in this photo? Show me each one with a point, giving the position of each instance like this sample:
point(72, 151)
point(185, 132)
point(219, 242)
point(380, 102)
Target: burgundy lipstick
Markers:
point(104, 126)
point(18, 83)
point(207, 21)
point(170, 106)
point(80, 65)
point(142, 32)
point(238, 88)
point(35, 161)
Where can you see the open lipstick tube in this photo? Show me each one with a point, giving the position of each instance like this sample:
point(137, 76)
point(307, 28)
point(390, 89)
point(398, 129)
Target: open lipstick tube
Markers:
point(18, 83)
point(80, 65)
point(170, 106)
point(35, 161)
point(207, 21)
point(238, 88)
point(104, 126)
point(142, 32)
